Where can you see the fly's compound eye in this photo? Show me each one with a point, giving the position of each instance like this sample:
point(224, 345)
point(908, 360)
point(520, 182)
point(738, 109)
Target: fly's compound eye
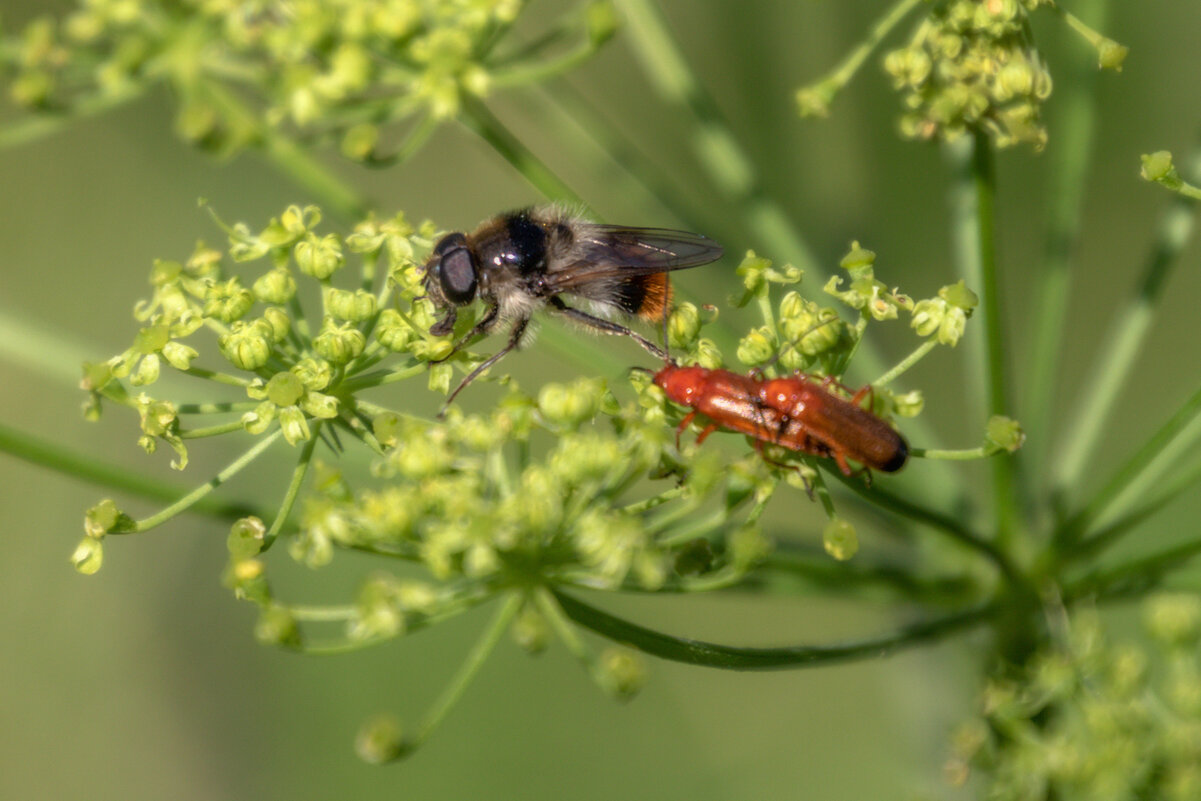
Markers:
point(457, 274)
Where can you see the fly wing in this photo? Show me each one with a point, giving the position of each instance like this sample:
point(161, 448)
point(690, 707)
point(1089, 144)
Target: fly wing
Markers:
point(603, 253)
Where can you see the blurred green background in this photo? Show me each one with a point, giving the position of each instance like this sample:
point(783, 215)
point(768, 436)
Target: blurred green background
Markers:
point(145, 682)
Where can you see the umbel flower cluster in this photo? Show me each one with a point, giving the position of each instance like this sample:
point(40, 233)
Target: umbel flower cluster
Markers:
point(575, 486)
point(970, 66)
point(1092, 719)
point(344, 70)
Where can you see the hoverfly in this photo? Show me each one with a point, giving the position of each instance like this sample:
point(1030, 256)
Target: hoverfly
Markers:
point(530, 259)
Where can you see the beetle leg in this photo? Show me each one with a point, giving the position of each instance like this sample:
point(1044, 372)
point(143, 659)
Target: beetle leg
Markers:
point(688, 418)
point(709, 429)
point(867, 390)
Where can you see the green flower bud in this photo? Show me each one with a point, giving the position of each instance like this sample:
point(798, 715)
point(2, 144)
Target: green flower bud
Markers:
point(339, 344)
point(178, 355)
point(928, 316)
point(380, 741)
point(245, 246)
point(227, 301)
point(277, 321)
point(315, 374)
point(417, 457)
point(621, 673)
point(439, 378)
point(858, 261)
point(245, 539)
point(105, 517)
point(880, 304)
point(259, 420)
point(285, 389)
point(602, 21)
point(387, 428)
point(205, 262)
point(247, 347)
point(358, 144)
point(1004, 433)
point(248, 580)
point(88, 556)
point(1158, 166)
point(959, 296)
point(747, 546)
point(146, 372)
point(753, 271)
point(572, 404)
point(839, 539)
point(296, 221)
point(482, 435)
point(367, 236)
point(650, 570)
point(1112, 55)
point(314, 547)
point(316, 404)
point(319, 258)
point(275, 286)
point(757, 347)
point(1174, 618)
point(294, 425)
point(908, 404)
point(684, 326)
point(708, 355)
point(378, 612)
point(530, 630)
point(352, 306)
point(814, 101)
point(276, 626)
point(432, 350)
point(480, 561)
point(158, 418)
point(151, 339)
point(954, 322)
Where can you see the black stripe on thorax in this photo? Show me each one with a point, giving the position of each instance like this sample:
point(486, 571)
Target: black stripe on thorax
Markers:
point(528, 241)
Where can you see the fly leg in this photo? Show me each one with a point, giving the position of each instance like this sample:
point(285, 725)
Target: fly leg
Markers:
point(514, 340)
point(606, 326)
point(485, 324)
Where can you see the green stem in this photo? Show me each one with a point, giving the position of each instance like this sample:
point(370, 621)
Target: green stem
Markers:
point(211, 431)
point(1170, 490)
point(469, 669)
point(964, 455)
point(1118, 494)
point(817, 570)
point(913, 358)
point(720, 155)
point(220, 378)
point(975, 240)
point(841, 75)
point(224, 407)
point(1137, 576)
point(195, 495)
point(71, 463)
point(1070, 153)
point(946, 524)
point(705, 654)
point(483, 123)
point(298, 474)
point(1122, 345)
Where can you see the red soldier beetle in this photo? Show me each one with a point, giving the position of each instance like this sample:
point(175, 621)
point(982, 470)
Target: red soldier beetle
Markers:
point(796, 412)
